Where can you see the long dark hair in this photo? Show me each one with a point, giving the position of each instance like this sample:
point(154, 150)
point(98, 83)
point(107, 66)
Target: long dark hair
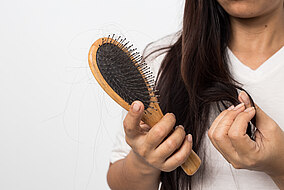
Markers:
point(195, 74)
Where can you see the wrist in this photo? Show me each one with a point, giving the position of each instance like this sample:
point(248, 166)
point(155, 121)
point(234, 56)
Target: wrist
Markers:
point(141, 165)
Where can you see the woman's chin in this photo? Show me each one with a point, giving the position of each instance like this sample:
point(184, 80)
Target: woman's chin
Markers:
point(243, 11)
point(249, 8)
point(244, 15)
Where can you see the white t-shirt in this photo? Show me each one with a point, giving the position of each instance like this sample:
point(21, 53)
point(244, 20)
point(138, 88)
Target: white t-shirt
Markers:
point(266, 86)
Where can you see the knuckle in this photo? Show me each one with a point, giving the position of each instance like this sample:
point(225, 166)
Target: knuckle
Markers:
point(158, 132)
point(218, 136)
point(209, 133)
point(179, 159)
point(234, 135)
point(126, 125)
point(128, 131)
point(143, 152)
point(170, 144)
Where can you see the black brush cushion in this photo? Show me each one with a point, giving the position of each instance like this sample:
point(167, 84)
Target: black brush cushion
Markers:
point(121, 73)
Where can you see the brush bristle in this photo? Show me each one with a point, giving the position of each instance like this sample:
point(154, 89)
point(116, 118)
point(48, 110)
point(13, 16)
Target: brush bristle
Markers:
point(124, 71)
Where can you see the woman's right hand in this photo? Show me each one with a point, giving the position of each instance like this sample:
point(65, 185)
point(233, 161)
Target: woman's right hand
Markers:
point(152, 146)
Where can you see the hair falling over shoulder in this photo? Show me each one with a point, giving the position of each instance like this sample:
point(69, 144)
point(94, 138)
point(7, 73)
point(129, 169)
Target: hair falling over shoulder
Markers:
point(194, 75)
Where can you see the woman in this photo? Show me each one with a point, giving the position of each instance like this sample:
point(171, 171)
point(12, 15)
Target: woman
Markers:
point(225, 46)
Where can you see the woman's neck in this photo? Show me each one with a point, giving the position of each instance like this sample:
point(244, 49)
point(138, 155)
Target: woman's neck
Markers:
point(254, 40)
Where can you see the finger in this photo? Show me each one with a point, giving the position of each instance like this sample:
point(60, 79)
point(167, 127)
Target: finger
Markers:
point(159, 131)
point(132, 120)
point(179, 157)
point(144, 126)
point(226, 113)
point(214, 125)
point(220, 138)
point(172, 143)
point(217, 120)
point(237, 133)
point(243, 97)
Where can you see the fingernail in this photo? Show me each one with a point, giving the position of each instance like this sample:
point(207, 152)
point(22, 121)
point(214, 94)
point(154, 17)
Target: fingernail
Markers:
point(249, 109)
point(231, 107)
point(145, 127)
point(180, 127)
point(245, 97)
point(239, 106)
point(189, 138)
point(136, 107)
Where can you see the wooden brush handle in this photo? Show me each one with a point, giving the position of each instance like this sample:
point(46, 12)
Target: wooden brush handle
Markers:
point(192, 164)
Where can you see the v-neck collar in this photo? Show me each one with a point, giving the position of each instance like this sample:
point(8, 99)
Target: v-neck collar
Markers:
point(243, 71)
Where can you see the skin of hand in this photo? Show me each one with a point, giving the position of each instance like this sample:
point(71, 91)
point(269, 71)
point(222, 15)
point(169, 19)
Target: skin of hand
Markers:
point(228, 135)
point(160, 147)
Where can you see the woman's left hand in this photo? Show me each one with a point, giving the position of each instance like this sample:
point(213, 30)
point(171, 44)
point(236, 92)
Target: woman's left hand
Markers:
point(266, 153)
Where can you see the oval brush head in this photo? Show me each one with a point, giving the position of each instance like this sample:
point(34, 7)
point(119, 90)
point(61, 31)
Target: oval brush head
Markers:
point(123, 74)
point(120, 69)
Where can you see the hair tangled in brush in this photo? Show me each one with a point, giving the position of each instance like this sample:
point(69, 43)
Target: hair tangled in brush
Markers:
point(194, 75)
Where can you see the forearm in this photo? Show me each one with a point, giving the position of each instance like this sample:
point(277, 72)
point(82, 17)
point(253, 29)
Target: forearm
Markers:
point(133, 173)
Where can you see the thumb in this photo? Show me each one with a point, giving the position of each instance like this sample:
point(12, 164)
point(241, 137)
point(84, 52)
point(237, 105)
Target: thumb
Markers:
point(243, 97)
point(263, 121)
point(261, 117)
point(132, 119)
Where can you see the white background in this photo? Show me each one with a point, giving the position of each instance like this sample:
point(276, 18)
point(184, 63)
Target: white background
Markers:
point(56, 124)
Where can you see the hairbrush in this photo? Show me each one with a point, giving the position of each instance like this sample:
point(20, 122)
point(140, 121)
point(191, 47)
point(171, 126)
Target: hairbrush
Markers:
point(125, 77)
